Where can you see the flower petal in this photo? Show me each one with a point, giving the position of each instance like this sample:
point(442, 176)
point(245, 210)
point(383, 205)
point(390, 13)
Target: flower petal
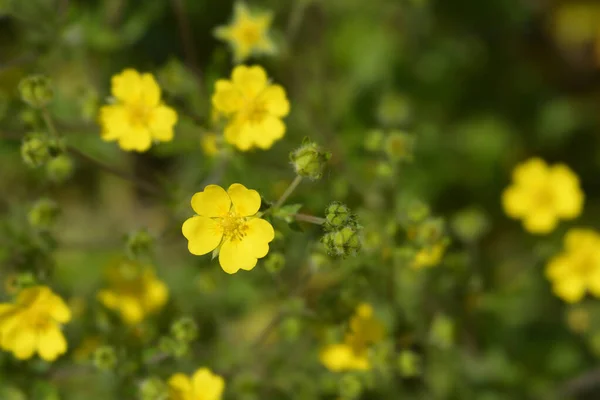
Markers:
point(180, 386)
point(532, 171)
point(276, 101)
point(246, 202)
point(227, 98)
point(162, 120)
point(271, 129)
point(114, 120)
point(203, 234)
point(127, 86)
point(149, 91)
point(540, 221)
point(213, 201)
point(571, 290)
point(58, 309)
point(51, 343)
point(20, 340)
point(251, 81)
point(234, 255)
point(207, 385)
point(135, 139)
point(260, 233)
point(568, 195)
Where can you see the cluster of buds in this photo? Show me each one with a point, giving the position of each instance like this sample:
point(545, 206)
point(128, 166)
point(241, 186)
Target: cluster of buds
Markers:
point(36, 90)
point(183, 332)
point(43, 214)
point(38, 149)
point(343, 237)
point(105, 358)
point(154, 388)
point(309, 160)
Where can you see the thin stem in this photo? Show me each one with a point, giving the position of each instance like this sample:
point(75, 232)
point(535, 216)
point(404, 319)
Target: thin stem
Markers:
point(288, 192)
point(146, 186)
point(310, 218)
point(50, 123)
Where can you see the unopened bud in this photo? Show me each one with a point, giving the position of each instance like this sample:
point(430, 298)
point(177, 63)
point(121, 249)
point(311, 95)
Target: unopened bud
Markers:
point(35, 150)
point(399, 146)
point(43, 214)
point(309, 160)
point(105, 358)
point(337, 214)
point(185, 329)
point(60, 168)
point(275, 262)
point(36, 90)
point(139, 243)
point(154, 388)
point(342, 243)
point(409, 364)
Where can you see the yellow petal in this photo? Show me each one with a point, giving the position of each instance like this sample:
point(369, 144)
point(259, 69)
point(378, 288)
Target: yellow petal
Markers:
point(108, 298)
point(260, 232)
point(235, 255)
point(568, 195)
point(127, 86)
point(534, 170)
point(21, 341)
point(114, 120)
point(246, 202)
point(156, 296)
point(213, 201)
point(516, 201)
point(227, 99)
point(276, 101)
point(149, 91)
point(161, 123)
point(135, 139)
point(241, 134)
point(58, 309)
point(541, 221)
point(51, 343)
point(571, 290)
point(203, 234)
point(131, 310)
point(251, 81)
point(271, 129)
point(336, 357)
point(180, 387)
point(207, 385)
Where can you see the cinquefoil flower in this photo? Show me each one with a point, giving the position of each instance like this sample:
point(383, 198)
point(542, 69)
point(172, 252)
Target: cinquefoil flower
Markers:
point(541, 195)
point(577, 269)
point(203, 385)
point(134, 291)
point(228, 221)
point(138, 116)
point(254, 108)
point(33, 324)
point(248, 33)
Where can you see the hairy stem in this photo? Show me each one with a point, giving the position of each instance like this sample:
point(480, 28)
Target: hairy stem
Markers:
point(288, 192)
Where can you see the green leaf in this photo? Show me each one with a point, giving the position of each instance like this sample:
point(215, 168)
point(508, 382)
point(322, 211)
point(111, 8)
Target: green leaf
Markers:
point(287, 213)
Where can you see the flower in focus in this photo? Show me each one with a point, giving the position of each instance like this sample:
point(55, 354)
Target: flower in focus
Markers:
point(33, 324)
point(138, 117)
point(253, 106)
point(228, 221)
point(577, 269)
point(134, 291)
point(248, 33)
point(352, 354)
point(203, 385)
point(540, 195)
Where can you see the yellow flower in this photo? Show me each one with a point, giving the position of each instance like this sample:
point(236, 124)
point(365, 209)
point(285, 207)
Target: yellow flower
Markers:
point(429, 256)
point(540, 195)
point(228, 221)
point(203, 385)
point(138, 116)
point(577, 269)
point(253, 106)
point(353, 353)
point(134, 291)
point(210, 144)
point(33, 324)
point(247, 34)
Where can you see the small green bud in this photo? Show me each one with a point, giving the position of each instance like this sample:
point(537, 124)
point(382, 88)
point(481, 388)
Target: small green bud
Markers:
point(173, 347)
point(394, 109)
point(350, 387)
point(309, 160)
point(36, 90)
point(185, 329)
point(275, 262)
point(409, 364)
point(24, 280)
point(399, 146)
point(105, 358)
point(60, 168)
point(154, 388)
point(469, 225)
point(43, 214)
point(291, 328)
point(429, 232)
point(442, 331)
point(384, 169)
point(139, 243)
point(35, 150)
point(337, 214)
point(374, 140)
point(342, 243)
point(417, 211)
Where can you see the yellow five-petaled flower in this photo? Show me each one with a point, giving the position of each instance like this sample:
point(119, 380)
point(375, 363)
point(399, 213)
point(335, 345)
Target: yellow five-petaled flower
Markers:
point(228, 221)
point(540, 195)
point(203, 385)
point(248, 33)
point(254, 108)
point(577, 269)
point(138, 117)
point(33, 324)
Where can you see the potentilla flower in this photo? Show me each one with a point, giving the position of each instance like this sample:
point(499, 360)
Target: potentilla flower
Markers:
point(33, 324)
point(253, 106)
point(353, 353)
point(134, 291)
point(541, 195)
point(203, 385)
point(429, 256)
point(228, 221)
point(576, 270)
point(138, 117)
point(248, 33)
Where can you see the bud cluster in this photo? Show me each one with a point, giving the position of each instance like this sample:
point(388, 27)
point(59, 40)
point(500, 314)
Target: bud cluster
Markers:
point(38, 149)
point(343, 237)
point(183, 332)
point(36, 90)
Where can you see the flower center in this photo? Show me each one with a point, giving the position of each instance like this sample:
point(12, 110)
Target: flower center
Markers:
point(234, 227)
point(255, 111)
point(249, 34)
point(138, 115)
point(38, 319)
point(544, 198)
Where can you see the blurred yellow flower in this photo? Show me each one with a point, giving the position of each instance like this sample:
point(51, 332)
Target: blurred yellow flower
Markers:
point(33, 324)
point(577, 269)
point(253, 106)
point(540, 195)
point(352, 354)
point(248, 33)
point(429, 256)
point(228, 221)
point(209, 143)
point(138, 116)
point(203, 385)
point(134, 291)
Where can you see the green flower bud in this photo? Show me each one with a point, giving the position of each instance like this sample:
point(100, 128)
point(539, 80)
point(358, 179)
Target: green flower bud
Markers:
point(442, 331)
point(35, 150)
point(185, 329)
point(469, 225)
point(394, 109)
point(309, 160)
point(409, 364)
point(275, 262)
point(43, 214)
point(24, 280)
point(36, 90)
point(154, 388)
point(139, 243)
point(173, 347)
point(384, 169)
point(60, 168)
point(337, 214)
point(350, 387)
point(105, 358)
point(429, 232)
point(374, 140)
point(342, 243)
point(417, 211)
point(291, 328)
point(399, 146)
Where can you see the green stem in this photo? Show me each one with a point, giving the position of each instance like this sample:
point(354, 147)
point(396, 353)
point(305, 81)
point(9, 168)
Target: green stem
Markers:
point(310, 218)
point(49, 123)
point(288, 192)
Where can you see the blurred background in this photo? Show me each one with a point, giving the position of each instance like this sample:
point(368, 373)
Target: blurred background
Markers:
point(479, 86)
